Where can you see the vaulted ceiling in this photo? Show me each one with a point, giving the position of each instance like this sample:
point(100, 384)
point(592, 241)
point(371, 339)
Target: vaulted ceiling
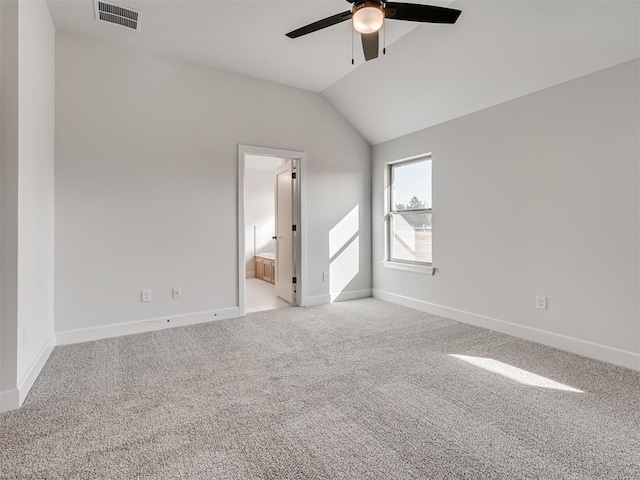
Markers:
point(498, 50)
point(243, 36)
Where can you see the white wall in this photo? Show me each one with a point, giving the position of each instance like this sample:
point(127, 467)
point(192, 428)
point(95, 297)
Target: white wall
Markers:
point(35, 183)
point(259, 209)
point(28, 101)
point(536, 196)
point(146, 181)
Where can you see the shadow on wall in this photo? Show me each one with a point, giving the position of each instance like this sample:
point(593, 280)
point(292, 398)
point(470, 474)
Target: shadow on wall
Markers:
point(344, 252)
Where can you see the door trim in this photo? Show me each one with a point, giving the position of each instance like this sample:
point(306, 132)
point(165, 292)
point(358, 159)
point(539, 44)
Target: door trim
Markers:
point(301, 259)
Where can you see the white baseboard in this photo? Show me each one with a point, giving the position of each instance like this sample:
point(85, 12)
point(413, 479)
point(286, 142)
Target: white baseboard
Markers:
point(314, 300)
point(351, 295)
point(593, 350)
point(250, 274)
point(337, 297)
point(24, 386)
point(142, 326)
point(9, 400)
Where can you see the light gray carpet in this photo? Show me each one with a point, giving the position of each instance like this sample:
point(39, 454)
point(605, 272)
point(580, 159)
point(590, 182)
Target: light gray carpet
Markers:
point(360, 389)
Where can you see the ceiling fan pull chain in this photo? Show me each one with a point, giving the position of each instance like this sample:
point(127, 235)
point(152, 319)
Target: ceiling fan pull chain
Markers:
point(384, 38)
point(352, 60)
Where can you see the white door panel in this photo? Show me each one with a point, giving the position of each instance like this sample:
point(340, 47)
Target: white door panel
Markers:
point(284, 233)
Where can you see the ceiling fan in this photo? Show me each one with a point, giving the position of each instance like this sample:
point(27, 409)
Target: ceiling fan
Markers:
point(368, 17)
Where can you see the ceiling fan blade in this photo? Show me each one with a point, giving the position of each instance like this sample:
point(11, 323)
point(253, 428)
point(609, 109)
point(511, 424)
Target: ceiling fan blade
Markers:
point(320, 24)
point(370, 43)
point(420, 13)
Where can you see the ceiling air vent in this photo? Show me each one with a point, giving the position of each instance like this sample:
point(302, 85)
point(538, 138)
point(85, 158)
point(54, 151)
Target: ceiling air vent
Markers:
point(126, 17)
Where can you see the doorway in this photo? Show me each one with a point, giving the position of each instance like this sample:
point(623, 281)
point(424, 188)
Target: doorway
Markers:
point(270, 229)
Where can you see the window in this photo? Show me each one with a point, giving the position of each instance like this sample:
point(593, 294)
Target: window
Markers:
point(409, 212)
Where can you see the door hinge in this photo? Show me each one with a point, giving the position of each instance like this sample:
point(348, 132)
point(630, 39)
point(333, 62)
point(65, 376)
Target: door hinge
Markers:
point(294, 228)
point(295, 280)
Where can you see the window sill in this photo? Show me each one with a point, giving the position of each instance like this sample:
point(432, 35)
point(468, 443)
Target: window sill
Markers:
point(407, 267)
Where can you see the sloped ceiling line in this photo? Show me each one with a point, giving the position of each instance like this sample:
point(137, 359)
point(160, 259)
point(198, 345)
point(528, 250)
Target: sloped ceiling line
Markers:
point(497, 51)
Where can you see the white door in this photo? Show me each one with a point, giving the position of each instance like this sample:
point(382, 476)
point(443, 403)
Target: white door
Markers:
point(284, 233)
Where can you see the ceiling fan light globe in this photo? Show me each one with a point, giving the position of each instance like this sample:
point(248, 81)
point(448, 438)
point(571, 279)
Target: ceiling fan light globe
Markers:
point(368, 19)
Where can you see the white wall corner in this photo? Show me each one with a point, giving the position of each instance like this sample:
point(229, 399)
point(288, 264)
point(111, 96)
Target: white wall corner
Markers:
point(24, 386)
point(574, 345)
point(142, 326)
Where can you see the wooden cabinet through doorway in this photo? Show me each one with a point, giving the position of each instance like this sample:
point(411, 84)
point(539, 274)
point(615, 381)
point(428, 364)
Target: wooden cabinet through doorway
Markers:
point(266, 269)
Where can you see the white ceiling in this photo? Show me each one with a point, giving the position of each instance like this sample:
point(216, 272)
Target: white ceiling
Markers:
point(243, 36)
point(498, 50)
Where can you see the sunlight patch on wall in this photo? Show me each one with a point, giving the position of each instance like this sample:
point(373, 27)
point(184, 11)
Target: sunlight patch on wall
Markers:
point(517, 374)
point(344, 252)
point(343, 232)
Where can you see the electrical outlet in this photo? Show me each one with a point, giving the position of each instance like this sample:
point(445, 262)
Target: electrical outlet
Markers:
point(541, 302)
point(325, 276)
point(145, 296)
point(176, 293)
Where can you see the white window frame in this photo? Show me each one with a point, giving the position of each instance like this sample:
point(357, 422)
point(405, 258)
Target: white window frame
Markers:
point(406, 265)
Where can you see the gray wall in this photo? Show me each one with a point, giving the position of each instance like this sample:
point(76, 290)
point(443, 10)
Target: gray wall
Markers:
point(9, 202)
point(27, 177)
point(146, 181)
point(36, 178)
point(536, 196)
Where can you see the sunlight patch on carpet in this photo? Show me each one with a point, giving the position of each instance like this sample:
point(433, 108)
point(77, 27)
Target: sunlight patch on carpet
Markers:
point(517, 374)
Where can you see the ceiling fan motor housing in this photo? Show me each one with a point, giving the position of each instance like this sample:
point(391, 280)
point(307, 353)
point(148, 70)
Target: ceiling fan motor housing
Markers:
point(367, 3)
